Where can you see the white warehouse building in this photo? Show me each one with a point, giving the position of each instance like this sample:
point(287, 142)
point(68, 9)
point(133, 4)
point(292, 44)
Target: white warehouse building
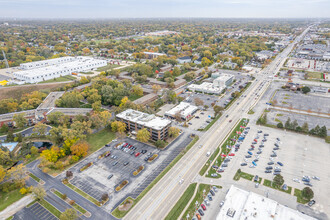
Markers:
point(79, 64)
point(43, 63)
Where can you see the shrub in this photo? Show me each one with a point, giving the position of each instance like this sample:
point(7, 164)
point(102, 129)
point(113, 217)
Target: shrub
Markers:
point(23, 191)
point(28, 156)
point(280, 125)
point(307, 193)
point(64, 196)
point(45, 170)
point(105, 196)
point(72, 202)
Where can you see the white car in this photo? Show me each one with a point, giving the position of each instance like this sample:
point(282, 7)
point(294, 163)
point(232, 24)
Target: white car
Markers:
point(221, 203)
point(181, 181)
point(272, 159)
point(252, 166)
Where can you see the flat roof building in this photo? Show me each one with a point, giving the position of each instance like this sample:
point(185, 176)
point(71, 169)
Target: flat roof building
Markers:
point(43, 63)
point(206, 87)
point(136, 120)
point(79, 64)
point(184, 110)
point(224, 80)
point(240, 204)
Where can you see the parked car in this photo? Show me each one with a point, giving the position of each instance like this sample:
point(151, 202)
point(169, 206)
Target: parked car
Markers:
point(203, 207)
point(269, 168)
point(209, 197)
point(285, 187)
point(107, 154)
point(256, 178)
point(259, 152)
point(243, 164)
point(308, 184)
point(268, 171)
point(224, 165)
point(248, 156)
point(249, 152)
point(201, 212)
point(276, 148)
point(215, 189)
point(132, 152)
point(206, 202)
point(231, 154)
point(221, 203)
point(137, 154)
point(265, 134)
point(279, 163)
point(198, 216)
point(109, 177)
point(310, 203)
point(115, 163)
point(126, 163)
point(270, 163)
point(273, 155)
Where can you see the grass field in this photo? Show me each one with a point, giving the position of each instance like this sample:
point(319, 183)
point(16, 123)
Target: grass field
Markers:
point(246, 176)
point(121, 214)
point(182, 203)
point(133, 97)
point(108, 67)
point(314, 75)
point(9, 198)
point(59, 79)
point(300, 199)
point(99, 139)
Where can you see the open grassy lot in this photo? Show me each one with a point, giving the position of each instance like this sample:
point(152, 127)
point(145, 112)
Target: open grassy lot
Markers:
point(60, 79)
point(107, 67)
point(182, 203)
point(99, 139)
point(8, 198)
point(133, 97)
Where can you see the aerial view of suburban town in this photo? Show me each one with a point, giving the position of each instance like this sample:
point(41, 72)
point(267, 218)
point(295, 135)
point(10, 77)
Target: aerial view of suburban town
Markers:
point(164, 110)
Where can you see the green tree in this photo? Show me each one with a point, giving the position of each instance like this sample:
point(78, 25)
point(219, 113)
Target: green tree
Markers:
point(20, 120)
point(305, 89)
point(307, 193)
point(160, 143)
point(10, 136)
point(137, 90)
point(34, 150)
point(305, 128)
point(278, 181)
point(280, 125)
point(40, 128)
point(217, 109)
point(288, 124)
point(69, 214)
point(323, 132)
point(173, 132)
point(54, 117)
point(143, 135)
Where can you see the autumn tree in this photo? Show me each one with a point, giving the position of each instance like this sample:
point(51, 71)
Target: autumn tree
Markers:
point(39, 192)
point(118, 126)
point(80, 149)
point(173, 132)
point(217, 109)
point(69, 214)
point(54, 117)
point(34, 150)
point(20, 120)
point(3, 173)
point(17, 173)
point(156, 88)
point(143, 135)
point(198, 101)
point(137, 90)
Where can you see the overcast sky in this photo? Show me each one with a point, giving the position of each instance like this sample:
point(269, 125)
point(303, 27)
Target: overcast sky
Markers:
point(163, 8)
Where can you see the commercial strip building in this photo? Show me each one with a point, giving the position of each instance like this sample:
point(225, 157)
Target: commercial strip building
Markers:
point(184, 110)
point(78, 64)
point(136, 120)
point(219, 84)
point(241, 205)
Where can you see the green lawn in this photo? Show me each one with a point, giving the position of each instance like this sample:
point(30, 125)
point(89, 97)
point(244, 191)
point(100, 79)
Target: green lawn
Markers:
point(300, 199)
point(182, 203)
point(211, 123)
point(76, 206)
point(246, 176)
point(50, 208)
point(108, 67)
point(34, 177)
point(86, 105)
point(133, 97)
point(121, 214)
point(60, 79)
point(208, 163)
point(198, 197)
point(100, 139)
point(9, 198)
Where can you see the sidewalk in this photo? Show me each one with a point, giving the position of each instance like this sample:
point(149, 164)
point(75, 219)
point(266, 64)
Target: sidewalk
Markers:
point(15, 207)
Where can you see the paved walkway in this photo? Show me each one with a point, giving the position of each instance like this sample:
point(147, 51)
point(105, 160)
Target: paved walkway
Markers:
point(15, 207)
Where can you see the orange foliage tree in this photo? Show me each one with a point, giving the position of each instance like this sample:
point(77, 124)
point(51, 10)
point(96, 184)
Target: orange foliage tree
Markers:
point(80, 149)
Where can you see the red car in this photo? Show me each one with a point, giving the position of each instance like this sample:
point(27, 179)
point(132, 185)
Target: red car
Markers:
point(137, 154)
point(231, 154)
point(203, 207)
point(255, 140)
point(130, 146)
point(252, 146)
point(230, 120)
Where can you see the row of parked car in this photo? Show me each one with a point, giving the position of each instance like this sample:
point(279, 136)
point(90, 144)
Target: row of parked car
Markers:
point(276, 170)
point(129, 148)
point(206, 202)
point(253, 147)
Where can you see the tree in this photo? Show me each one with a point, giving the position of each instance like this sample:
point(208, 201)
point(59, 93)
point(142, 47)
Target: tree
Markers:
point(97, 106)
point(198, 101)
point(40, 128)
point(137, 90)
point(278, 181)
point(20, 120)
point(173, 132)
point(305, 128)
point(143, 135)
point(4, 157)
point(118, 126)
point(307, 193)
point(217, 109)
point(10, 136)
point(288, 123)
point(17, 173)
point(69, 214)
point(3, 173)
point(52, 154)
point(160, 143)
point(294, 125)
point(39, 192)
point(323, 132)
point(123, 101)
point(156, 88)
point(305, 89)
point(105, 196)
point(280, 125)
point(80, 149)
point(54, 117)
point(4, 128)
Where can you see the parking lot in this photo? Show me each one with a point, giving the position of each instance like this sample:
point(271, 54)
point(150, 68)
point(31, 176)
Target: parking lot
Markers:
point(303, 102)
point(35, 211)
point(301, 155)
point(95, 180)
point(312, 121)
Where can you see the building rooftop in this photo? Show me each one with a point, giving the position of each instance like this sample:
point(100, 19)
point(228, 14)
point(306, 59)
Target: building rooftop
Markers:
point(147, 120)
point(71, 111)
point(184, 109)
point(241, 205)
point(9, 116)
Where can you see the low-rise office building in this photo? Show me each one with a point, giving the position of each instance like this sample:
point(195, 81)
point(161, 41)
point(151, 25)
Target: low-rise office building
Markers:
point(184, 110)
point(224, 80)
point(80, 64)
point(240, 204)
point(136, 120)
point(206, 87)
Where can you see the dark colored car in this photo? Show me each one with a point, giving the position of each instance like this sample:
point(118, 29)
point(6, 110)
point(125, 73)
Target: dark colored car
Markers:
point(126, 163)
point(243, 164)
point(248, 156)
point(270, 163)
point(312, 202)
point(201, 212)
point(212, 192)
point(109, 177)
point(268, 171)
point(279, 163)
point(269, 168)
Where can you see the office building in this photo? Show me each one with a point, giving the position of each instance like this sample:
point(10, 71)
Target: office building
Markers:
point(224, 80)
point(184, 110)
point(136, 120)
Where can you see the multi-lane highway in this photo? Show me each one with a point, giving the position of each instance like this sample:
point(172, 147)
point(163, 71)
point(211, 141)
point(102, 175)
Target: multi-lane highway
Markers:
point(162, 197)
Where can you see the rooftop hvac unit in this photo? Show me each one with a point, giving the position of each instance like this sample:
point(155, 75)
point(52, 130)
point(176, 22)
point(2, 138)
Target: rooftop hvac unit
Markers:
point(231, 212)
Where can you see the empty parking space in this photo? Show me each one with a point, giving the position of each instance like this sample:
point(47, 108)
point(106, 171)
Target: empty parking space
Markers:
point(35, 211)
